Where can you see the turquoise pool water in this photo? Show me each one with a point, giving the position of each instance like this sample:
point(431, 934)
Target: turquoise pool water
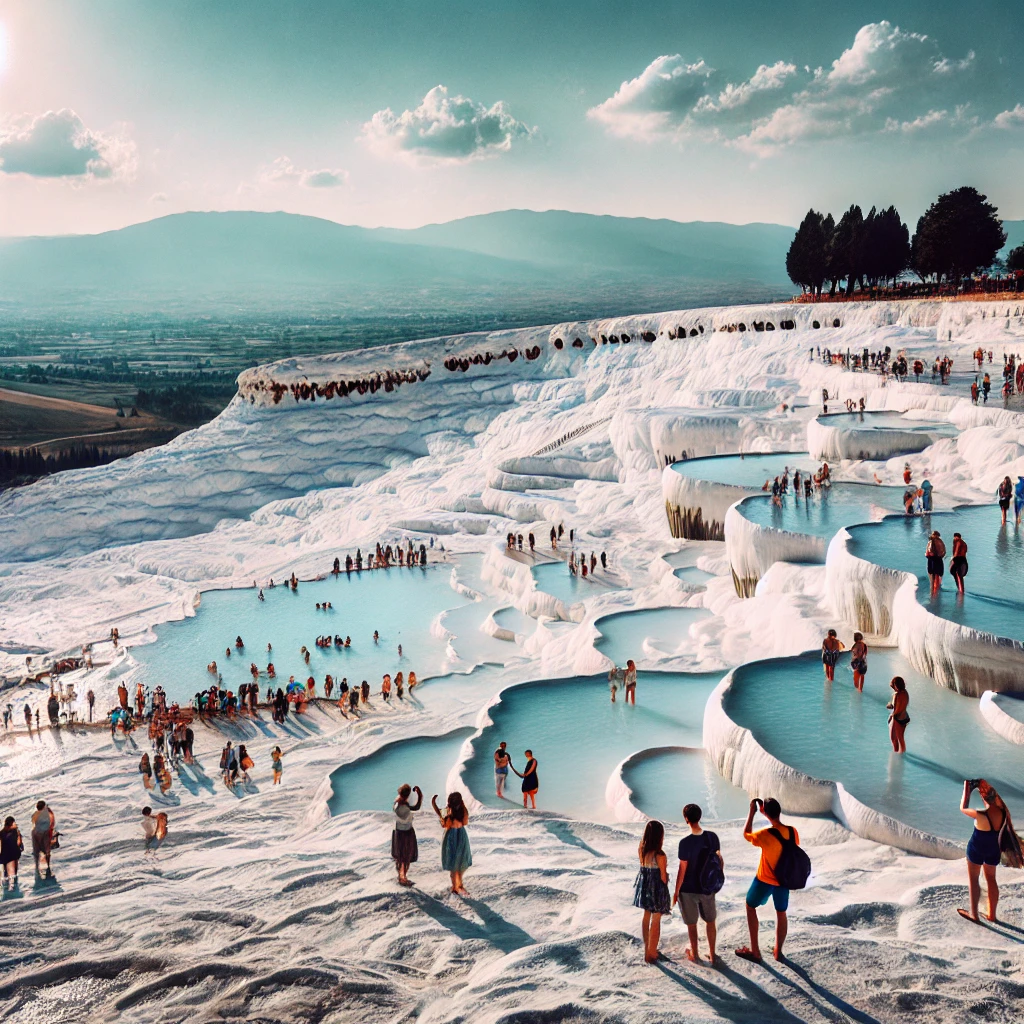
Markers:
point(994, 601)
point(691, 574)
point(554, 578)
point(578, 736)
point(886, 421)
point(514, 619)
point(623, 633)
point(744, 470)
point(664, 780)
point(828, 510)
point(371, 783)
point(834, 732)
point(399, 603)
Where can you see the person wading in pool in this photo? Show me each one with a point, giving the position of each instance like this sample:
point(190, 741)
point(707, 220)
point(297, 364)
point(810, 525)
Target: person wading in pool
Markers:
point(780, 852)
point(629, 682)
point(958, 563)
point(934, 553)
point(859, 660)
point(529, 777)
point(830, 648)
point(1004, 493)
point(899, 719)
point(984, 849)
point(502, 763)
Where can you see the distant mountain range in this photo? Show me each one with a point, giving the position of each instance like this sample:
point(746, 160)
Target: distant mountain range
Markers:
point(271, 260)
point(510, 266)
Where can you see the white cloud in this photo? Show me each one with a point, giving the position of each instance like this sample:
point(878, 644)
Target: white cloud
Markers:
point(887, 80)
point(283, 172)
point(158, 197)
point(444, 129)
point(1010, 119)
point(58, 145)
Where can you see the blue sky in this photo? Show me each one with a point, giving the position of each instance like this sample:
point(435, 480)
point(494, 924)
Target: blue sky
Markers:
point(116, 111)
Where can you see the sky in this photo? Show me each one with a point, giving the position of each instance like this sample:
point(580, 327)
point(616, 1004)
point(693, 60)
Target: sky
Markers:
point(406, 112)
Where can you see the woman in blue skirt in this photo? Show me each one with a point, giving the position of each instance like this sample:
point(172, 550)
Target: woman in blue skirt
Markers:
point(456, 855)
point(650, 893)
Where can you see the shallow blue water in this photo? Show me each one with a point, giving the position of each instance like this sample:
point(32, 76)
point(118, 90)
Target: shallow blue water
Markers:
point(578, 736)
point(371, 783)
point(834, 732)
point(623, 633)
point(886, 421)
point(691, 574)
point(514, 619)
point(399, 603)
point(828, 510)
point(664, 781)
point(554, 578)
point(744, 470)
point(994, 601)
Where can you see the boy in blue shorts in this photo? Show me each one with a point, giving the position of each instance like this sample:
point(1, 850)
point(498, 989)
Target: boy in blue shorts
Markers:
point(765, 885)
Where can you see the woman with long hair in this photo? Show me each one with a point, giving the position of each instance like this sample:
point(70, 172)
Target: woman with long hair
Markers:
point(404, 848)
point(650, 893)
point(993, 836)
point(830, 648)
point(899, 719)
point(456, 855)
point(934, 554)
point(629, 682)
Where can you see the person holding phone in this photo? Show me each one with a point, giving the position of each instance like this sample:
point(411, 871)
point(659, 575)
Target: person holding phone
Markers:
point(983, 848)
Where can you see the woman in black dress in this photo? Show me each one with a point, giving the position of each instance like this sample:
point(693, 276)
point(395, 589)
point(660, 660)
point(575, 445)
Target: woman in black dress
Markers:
point(650, 892)
point(12, 846)
point(529, 777)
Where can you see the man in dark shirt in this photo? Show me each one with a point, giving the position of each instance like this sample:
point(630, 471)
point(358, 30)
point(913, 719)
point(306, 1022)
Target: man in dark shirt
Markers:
point(694, 851)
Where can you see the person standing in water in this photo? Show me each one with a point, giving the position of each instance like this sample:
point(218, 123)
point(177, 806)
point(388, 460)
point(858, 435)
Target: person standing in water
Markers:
point(984, 850)
point(1004, 493)
point(958, 563)
point(404, 848)
point(456, 854)
point(650, 891)
point(830, 648)
point(1018, 499)
point(529, 777)
point(629, 682)
point(899, 719)
point(502, 763)
point(859, 660)
point(934, 553)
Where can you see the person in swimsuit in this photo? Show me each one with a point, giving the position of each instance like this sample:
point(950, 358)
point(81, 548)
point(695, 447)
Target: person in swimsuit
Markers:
point(502, 763)
point(44, 824)
point(650, 891)
point(859, 660)
point(958, 563)
point(899, 719)
point(983, 849)
point(1004, 493)
point(830, 648)
point(629, 681)
point(934, 553)
point(275, 764)
point(529, 777)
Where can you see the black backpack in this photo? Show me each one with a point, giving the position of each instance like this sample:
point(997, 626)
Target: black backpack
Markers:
point(710, 876)
point(794, 866)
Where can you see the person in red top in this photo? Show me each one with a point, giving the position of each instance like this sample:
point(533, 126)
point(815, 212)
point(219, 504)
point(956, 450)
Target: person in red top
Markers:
point(765, 884)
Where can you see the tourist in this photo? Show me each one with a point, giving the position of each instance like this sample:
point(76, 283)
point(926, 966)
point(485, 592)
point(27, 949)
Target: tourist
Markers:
point(146, 771)
point(650, 892)
point(399, 684)
point(226, 757)
point(404, 849)
point(385, 687)
point(149, 828)
point(993, 836)
point(28, 719)
point(629, 681)
point(91, 700)
point(830, 648)
point(245, 762)
point(934, 553)
point(529, 777)
point(456, 855)
point(701, 874)
point(1004, 493)
point(782, 861)
point(613, 681)
point(859, 660)
point(364, 692)
point(276, 765)
point(44, 825)
point(1018, 499)
point(12, 846)
point(958, 563)
point(502, 762)
point(899, 719)
point(413, 681)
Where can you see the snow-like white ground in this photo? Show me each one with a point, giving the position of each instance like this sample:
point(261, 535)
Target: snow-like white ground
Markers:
point(261, 906)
